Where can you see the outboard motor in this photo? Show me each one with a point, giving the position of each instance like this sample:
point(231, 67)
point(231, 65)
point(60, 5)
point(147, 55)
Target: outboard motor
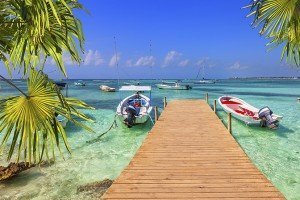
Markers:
point(265, 114)
point(188, 87)
point(131, 112)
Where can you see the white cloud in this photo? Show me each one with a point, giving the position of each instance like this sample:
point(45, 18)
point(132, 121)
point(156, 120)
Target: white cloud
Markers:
point(183, 63)
point(145, 61)
point(67, 60)
point(171, 58)
point(237, 66)
point(114, 60)
point(93, 58)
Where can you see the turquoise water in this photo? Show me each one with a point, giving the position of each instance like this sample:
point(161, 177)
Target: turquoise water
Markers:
point(275, 153)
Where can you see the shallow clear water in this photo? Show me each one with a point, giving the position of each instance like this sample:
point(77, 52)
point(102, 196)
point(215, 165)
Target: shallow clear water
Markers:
point(275, 153)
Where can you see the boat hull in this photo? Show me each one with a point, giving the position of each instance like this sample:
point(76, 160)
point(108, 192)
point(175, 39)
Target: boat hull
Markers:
point(205, 82)
point(169, 87)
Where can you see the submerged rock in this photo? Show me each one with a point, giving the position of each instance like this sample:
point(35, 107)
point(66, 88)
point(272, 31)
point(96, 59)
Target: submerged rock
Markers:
point(96, 189)
point(13, 169)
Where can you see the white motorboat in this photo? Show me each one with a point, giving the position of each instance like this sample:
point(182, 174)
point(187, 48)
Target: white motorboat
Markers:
point(136, 108)
point(176, 86)
point(106, 88)
point(248, 113)
point(79, 83)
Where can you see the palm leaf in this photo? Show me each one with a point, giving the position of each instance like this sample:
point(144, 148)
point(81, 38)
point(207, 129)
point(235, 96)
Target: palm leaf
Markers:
point(279, 21)
point(38, 28)
point(30, 120)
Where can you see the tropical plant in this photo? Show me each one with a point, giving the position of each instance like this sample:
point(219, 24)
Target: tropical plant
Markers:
point(31, 120)
point(32, 31)
point(279, 21)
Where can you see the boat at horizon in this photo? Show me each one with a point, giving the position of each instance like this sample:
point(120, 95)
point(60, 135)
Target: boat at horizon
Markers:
point(106, 88)
point(176, 86)
point(79, 83)
point(61, 84)
point(205, 81)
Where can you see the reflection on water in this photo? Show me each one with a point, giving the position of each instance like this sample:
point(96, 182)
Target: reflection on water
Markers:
point(275, 153)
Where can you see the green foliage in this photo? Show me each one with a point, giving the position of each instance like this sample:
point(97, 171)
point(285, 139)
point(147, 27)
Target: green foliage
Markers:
point(32, 30)
point(279, 21)
point(31, 119)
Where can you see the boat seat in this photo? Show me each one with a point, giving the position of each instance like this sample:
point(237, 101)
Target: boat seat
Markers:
point(141, 110)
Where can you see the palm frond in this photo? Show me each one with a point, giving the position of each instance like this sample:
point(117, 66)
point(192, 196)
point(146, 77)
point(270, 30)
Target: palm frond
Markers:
point(39, 27)
point(30, 120)
point(279, 21)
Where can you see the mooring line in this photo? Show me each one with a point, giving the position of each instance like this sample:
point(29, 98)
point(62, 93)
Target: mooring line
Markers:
point(113, 125)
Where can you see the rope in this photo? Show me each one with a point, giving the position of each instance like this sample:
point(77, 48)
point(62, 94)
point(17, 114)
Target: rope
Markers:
point(150, 118)
point(113, 125)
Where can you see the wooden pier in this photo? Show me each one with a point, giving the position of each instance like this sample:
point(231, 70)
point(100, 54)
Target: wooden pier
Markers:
point(189, 154)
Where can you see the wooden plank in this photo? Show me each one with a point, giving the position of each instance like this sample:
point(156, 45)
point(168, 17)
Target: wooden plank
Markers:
point(191, 157)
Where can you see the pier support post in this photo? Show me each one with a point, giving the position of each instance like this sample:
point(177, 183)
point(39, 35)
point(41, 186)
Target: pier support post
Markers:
point(155, 113)
point(206, 97)
point(215, 106)
point(229, 123)
point(165, 102)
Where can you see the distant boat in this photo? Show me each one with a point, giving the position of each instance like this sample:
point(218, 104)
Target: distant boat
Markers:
point(136, 108)
point(249, 114)
point(60, 84)
point(205, 81)
point(62, 120)
point(79, 83)
point(298, 99)
point(132, 83)
point(176, 86)
point(106, 88)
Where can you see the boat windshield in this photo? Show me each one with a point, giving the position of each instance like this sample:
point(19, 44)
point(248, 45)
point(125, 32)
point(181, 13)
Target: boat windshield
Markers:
point(137, 102)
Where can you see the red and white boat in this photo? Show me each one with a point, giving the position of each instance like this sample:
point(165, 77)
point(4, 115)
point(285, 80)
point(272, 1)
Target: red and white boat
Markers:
point(249, 114)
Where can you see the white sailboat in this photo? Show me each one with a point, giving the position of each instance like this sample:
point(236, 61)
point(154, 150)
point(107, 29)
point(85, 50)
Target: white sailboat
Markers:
point(203, 80)
point(136, 108)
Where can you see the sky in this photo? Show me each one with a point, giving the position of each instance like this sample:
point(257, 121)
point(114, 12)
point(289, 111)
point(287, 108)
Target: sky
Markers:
point(184, 36)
